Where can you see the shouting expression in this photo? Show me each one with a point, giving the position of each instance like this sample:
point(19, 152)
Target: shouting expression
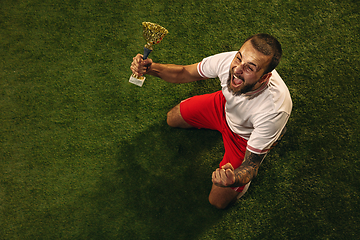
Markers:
point(247, 70)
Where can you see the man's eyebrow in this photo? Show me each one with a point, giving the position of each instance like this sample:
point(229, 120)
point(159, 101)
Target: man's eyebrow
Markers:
point(249, 62)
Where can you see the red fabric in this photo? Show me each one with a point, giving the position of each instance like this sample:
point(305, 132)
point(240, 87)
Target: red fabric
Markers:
point(208, 111)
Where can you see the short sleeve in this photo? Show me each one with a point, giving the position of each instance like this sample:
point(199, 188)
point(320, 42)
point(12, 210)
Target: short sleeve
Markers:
point(216, 66)
point(267, 130)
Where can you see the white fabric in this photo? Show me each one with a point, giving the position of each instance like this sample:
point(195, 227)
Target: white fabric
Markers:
point(258, 116)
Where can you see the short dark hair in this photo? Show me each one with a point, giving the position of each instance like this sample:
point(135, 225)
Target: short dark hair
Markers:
point(267, 45)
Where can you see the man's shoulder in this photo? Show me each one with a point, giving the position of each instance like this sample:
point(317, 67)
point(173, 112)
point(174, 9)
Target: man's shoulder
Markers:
point(279, 93)
point(278, 84)
point(216, 65)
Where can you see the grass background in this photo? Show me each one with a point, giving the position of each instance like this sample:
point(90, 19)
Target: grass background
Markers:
point(86, 155)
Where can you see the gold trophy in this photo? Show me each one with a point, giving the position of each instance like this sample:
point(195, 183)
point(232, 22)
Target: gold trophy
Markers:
point(153, 34)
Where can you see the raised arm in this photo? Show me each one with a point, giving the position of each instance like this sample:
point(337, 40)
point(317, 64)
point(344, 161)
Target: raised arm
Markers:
point(228, 177)
point(169, 72)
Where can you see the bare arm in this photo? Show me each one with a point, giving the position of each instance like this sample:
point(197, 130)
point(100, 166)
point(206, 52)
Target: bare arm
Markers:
point(169, 72)
point(175, 73)
point(248, 169)
point(228, 177)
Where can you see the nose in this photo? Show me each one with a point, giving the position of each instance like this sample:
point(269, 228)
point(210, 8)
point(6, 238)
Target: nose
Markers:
point(239, 69)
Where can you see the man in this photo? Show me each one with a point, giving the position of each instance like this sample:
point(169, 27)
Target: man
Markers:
point(250, 111)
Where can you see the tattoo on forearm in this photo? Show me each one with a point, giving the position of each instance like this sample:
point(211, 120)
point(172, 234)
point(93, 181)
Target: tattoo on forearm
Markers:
point(248, 169)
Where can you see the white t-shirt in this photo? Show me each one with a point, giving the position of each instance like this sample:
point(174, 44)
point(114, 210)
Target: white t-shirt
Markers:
point(257, 116)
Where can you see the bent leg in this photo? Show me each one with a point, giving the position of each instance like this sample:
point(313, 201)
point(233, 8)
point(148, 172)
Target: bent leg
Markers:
point(202, 111)
point(174, 118)
point(221, 197)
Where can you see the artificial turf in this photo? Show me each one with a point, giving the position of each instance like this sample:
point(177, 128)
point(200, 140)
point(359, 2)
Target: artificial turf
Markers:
point(86, 155)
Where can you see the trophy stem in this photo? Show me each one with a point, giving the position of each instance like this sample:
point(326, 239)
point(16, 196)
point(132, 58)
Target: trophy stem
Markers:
point(146, 53)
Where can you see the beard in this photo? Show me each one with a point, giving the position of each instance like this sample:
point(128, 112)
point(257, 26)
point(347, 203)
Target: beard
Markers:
point(243, 89)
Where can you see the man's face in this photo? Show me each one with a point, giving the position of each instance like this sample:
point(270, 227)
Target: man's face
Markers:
point(247, 69)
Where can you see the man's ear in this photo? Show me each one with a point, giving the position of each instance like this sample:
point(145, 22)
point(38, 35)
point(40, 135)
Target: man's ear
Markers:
point(265, 77)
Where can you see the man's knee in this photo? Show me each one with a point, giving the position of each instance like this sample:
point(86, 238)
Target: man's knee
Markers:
point(221, 198)
point(218, 203)
point(174, 118)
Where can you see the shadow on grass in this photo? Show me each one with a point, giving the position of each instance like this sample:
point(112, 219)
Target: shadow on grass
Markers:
point(159, 186)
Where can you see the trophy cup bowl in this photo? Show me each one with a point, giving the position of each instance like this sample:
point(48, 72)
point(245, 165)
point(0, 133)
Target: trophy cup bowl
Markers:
point(153, 34)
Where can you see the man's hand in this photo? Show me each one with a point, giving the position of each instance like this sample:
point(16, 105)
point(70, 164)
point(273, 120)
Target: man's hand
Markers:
point(224, 177)
point(139, 66)
point(228, 177)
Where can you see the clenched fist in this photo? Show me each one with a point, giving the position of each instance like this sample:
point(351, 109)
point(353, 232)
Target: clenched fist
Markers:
point(139, 66)
point(224, 177)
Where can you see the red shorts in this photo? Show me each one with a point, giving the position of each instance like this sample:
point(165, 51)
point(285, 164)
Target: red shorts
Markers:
point(208, 111)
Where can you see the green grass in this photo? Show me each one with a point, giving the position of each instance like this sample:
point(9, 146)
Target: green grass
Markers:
point(86, 155)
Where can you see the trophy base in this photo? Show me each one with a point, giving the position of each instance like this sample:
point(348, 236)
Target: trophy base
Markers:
point(139, 81)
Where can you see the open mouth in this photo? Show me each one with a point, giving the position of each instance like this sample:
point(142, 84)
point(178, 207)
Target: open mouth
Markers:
point(236, 81)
